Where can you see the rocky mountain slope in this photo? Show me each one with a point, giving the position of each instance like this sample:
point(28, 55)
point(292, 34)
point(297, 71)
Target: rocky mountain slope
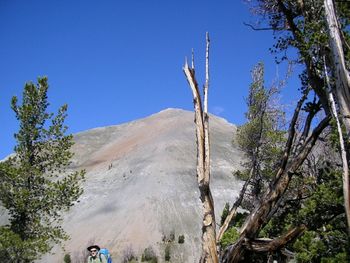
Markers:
point(141, 187)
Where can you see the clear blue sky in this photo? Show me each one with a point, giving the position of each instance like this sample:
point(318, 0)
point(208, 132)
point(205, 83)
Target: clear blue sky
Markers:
point(117, 61)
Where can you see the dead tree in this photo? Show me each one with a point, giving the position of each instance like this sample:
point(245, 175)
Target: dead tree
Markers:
point(209, 251)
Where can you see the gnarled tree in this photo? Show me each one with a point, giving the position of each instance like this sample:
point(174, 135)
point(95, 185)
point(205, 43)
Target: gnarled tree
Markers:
point(302, 25)
point(319, 30)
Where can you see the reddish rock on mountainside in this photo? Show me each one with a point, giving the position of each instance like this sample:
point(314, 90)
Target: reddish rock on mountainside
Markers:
point(141, 188)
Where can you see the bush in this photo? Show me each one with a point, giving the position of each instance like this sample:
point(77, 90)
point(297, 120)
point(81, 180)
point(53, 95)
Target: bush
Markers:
point(167, 253)
point(67, 258)
point(229, 237)
point(128, 255)
point(225, 213)
point(149, 255)
point(172, 236)
point(181, 239)
point(242, 175)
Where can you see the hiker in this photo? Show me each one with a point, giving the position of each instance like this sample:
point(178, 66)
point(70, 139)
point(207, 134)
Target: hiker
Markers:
point(95, 256)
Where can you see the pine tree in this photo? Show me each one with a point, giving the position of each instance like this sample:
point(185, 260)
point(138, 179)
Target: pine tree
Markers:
point(261, 137)
point(35, 186)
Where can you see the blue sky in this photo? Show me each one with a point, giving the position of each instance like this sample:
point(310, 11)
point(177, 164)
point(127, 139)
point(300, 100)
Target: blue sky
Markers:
point(117, 61)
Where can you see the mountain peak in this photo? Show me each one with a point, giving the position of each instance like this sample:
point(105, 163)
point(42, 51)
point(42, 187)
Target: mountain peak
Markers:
point(141, 184)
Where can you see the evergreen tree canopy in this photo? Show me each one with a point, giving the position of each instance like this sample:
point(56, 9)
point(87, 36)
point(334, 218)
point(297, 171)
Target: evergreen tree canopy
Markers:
point(35, 185)
point(261, 137)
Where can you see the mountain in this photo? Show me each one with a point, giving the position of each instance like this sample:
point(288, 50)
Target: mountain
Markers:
point(141, 187)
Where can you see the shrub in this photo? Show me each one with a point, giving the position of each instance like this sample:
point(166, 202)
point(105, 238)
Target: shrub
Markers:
point(181, 239)
point(229, 237)
point(169, 238)
point(225, 213)
point(167, 253)
point(67, 258)
point(128, 255)
point(149, 255)
point(172, 236)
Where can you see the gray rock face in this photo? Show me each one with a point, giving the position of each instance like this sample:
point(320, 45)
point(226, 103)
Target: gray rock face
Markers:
point(141, 186)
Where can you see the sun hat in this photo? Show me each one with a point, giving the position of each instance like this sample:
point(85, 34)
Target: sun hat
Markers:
point(94, 246)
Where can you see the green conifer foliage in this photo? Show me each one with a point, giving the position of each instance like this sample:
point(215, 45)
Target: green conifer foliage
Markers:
point(35, 185)
point(225, 213)
point(261, 137)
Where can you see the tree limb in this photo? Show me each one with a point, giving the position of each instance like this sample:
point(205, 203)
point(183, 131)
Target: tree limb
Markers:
point(262, 28)
point(291, 135)
point(315, 81)
point(267, 245)
point(234, 208)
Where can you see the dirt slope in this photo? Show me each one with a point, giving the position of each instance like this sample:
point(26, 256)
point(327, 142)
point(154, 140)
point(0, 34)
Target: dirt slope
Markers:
point(141, 185)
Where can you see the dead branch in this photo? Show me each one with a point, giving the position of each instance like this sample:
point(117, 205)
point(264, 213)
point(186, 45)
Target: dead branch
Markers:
point(262, 28)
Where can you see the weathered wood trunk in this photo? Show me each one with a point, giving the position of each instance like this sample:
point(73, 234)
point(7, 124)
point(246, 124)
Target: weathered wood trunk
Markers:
point(342, 91)
point(209, 251)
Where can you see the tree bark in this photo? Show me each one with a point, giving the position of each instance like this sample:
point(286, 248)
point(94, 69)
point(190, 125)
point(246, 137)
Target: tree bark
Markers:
point(209, 251)
point(268, 245)
point(342, 91)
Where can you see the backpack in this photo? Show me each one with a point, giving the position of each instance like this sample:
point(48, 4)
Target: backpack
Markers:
point(105, 252)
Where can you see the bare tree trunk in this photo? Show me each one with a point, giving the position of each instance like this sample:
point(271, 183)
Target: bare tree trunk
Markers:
point(209, 251)
point(342, 93)
point(342, 148)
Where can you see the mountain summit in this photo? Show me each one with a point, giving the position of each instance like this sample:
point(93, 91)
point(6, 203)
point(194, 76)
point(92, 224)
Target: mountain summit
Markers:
point(141, 188)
